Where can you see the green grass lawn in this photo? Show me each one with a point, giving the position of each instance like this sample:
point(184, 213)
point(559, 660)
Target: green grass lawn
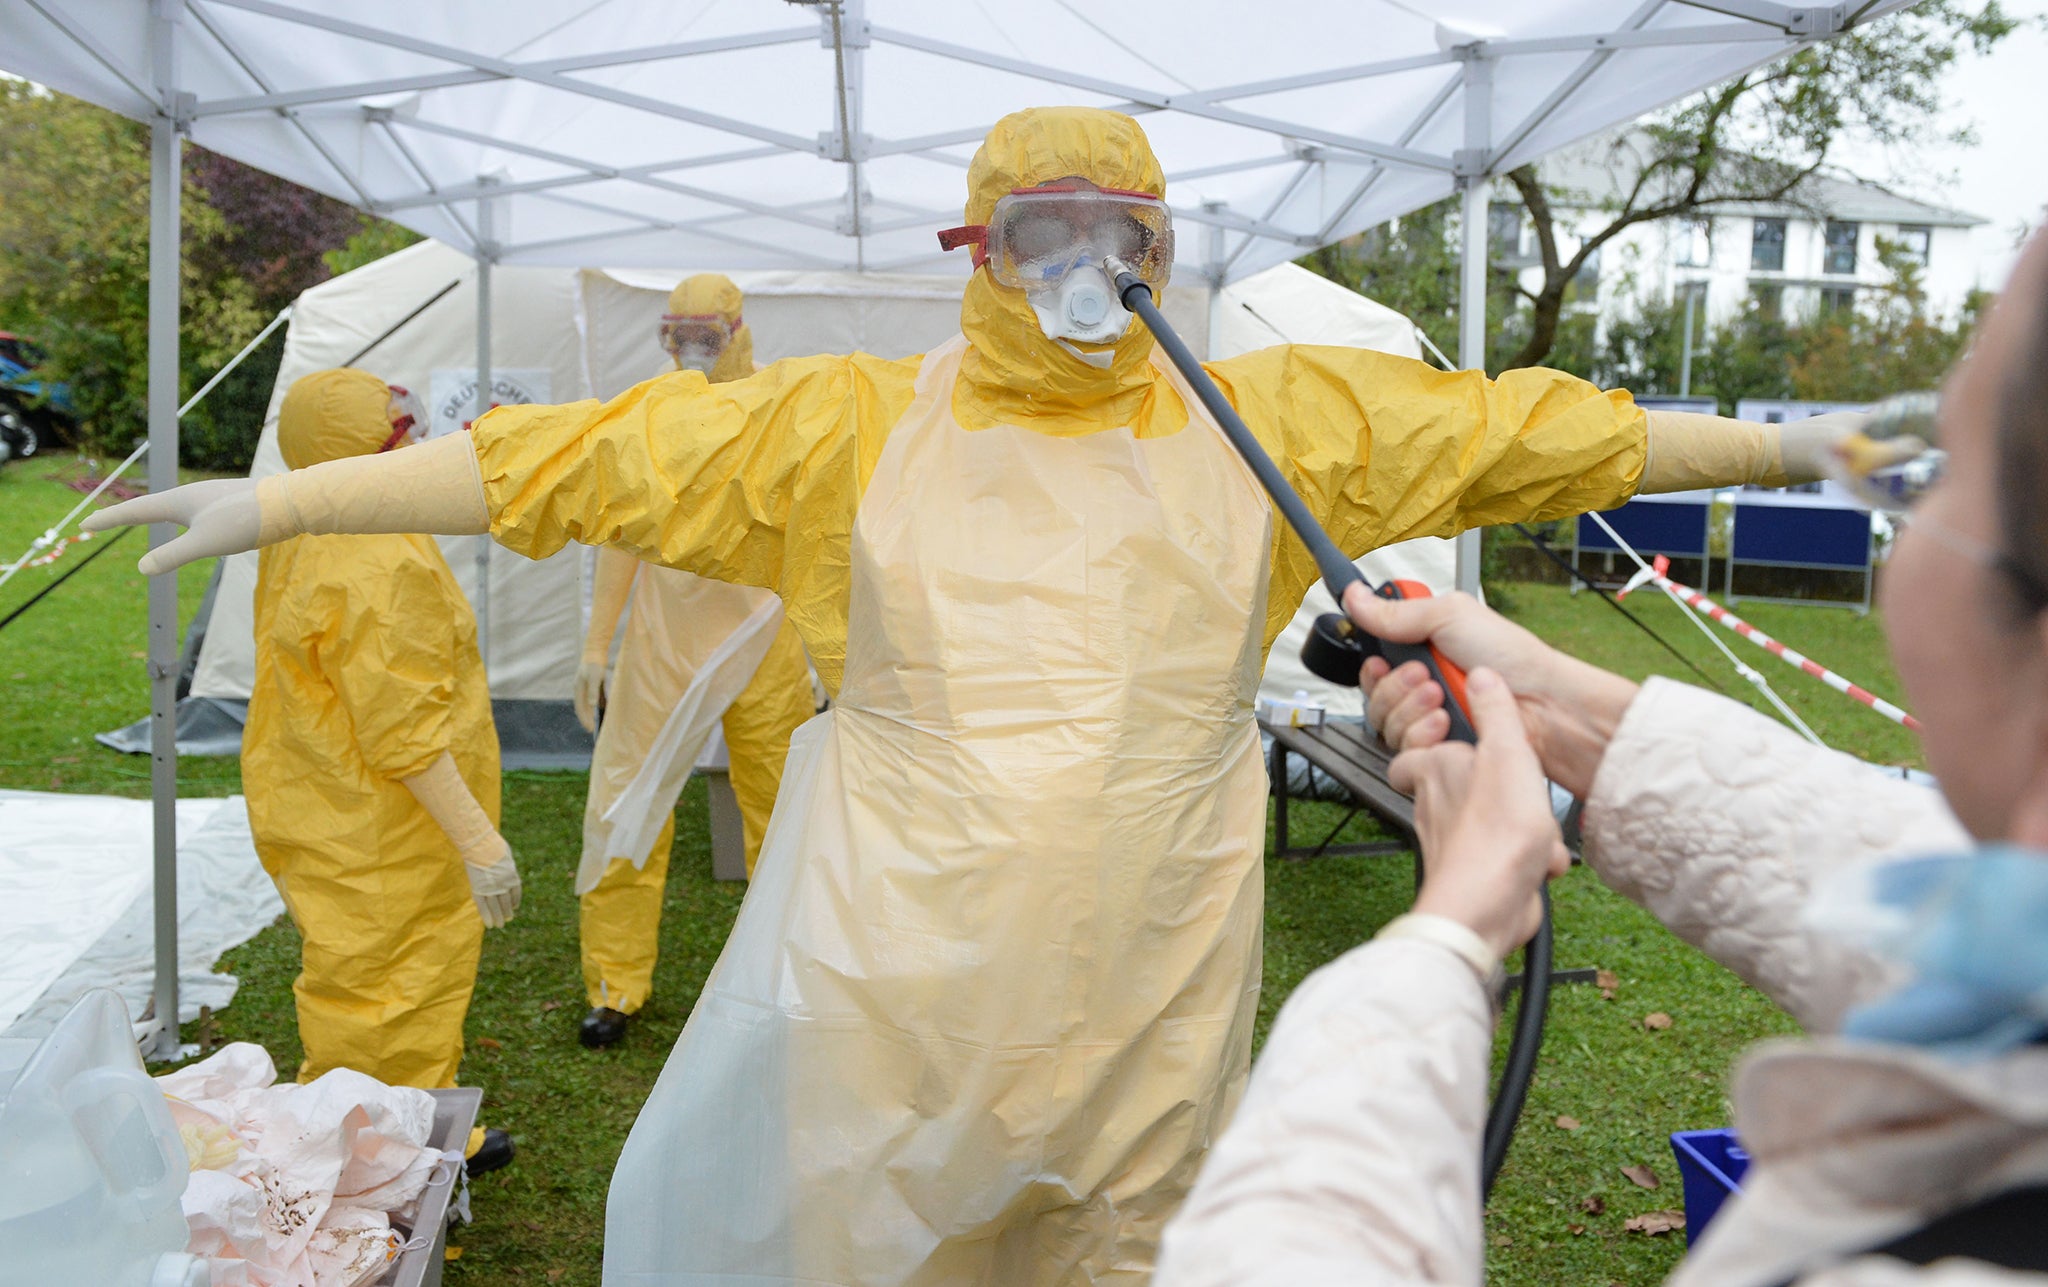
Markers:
point(72, 666)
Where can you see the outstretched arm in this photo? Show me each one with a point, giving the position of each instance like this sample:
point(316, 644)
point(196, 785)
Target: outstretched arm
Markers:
point(709, 478)
point(433, 488)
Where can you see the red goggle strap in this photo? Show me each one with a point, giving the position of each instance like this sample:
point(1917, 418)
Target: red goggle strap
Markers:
point(399, 429)
point(973, 234)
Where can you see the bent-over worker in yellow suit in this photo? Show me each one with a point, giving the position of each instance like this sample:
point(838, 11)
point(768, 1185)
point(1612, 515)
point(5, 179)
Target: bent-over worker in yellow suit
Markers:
point(371, 766)
point(991, 993)
point(696, 654)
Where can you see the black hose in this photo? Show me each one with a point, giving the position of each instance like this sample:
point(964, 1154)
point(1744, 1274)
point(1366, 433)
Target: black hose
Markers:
point(1520, 1069)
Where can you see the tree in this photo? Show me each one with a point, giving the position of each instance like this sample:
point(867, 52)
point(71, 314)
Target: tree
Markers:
point(74, 257)
point(1758, 138)
point(74, 268)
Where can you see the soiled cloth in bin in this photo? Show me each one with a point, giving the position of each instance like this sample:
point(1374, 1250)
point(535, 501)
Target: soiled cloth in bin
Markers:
point(298, 1185)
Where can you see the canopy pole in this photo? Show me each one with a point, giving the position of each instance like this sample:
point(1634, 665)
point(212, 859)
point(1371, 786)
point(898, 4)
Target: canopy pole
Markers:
point(1474, 178)
point(487, 250)
point(165, 185)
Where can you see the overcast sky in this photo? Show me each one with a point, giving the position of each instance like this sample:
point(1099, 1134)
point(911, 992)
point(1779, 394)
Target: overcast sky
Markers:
point(2004, 97)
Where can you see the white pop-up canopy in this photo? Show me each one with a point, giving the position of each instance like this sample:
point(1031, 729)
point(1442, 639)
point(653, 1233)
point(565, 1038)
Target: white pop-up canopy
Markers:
point(820, 135)
point(833, 134)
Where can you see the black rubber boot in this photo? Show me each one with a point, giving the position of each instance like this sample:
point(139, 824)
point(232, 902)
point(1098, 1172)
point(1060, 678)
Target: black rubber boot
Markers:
point(601, 1028)
point(496, 1153)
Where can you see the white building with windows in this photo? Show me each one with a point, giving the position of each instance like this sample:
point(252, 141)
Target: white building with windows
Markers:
point(1794, 258)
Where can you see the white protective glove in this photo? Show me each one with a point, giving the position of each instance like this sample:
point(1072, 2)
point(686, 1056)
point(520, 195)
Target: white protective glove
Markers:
point(1807, 447)
point(493, 875)
point(494, 885)
point(434, 487)
point(589, 692)
point(219, 515)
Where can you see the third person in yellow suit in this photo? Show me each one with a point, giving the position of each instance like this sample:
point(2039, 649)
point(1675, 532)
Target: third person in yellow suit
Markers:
point(696, 654)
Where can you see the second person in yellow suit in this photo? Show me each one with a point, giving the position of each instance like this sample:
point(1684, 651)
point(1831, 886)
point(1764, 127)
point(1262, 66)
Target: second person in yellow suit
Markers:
point(991, 994)
point(696, 654)
point(371, 766)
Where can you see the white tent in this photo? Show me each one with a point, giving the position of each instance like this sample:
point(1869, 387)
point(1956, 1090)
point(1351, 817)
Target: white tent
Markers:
point(686, 131)
point(563, 334)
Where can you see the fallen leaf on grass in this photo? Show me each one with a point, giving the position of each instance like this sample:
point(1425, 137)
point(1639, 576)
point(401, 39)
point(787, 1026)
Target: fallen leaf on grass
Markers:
point(550, 1005)
point(1657, 1021)
point(1607, 982)
point(1640, 1176)
point(1502, 1240)
point(1568, 1123)
point(491, 1044)
point(1575, 1229)
point(452, 1252)
point(1656, 1223)
point(1595, 1205)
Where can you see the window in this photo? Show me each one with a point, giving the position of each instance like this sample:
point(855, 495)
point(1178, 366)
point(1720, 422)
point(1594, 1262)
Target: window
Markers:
point(1767, 246)
point(1769, 298)
point(1696, 243)
point(1914, 241)
point(1504, 230)
point(1840, 254)
point(1837, 299)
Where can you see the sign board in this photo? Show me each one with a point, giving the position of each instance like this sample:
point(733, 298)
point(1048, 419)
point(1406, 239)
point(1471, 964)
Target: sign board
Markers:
point(453, 394)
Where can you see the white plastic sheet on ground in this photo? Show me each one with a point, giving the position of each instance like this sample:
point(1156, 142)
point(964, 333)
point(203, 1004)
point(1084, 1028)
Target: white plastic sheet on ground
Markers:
point(74, 910)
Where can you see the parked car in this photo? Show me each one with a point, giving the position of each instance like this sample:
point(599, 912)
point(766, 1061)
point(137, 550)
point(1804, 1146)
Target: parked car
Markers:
point(34, 412)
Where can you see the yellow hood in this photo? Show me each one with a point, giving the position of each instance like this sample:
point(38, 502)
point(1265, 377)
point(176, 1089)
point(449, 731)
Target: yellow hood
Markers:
point(1012, 373)
point(708, 293)
point(331, 414)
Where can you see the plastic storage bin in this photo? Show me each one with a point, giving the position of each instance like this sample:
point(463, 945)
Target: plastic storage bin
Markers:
point(91, 1166)
point(454, 1114)
point(1710, 1167)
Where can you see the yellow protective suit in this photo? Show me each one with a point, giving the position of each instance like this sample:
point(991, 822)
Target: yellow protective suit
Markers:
point(992, 993)
point(687, 652)
point(366, 674)
point(697, 653)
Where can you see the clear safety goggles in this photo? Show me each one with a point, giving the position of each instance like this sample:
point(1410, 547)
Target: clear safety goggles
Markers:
point(702, 335)
point(1896, 458)
point(408, 419)
point(1036, 236)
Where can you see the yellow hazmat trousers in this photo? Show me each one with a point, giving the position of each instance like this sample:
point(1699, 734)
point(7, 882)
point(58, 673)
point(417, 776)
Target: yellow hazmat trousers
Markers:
point(366, 673)
point(674, 652)
point(991, 994)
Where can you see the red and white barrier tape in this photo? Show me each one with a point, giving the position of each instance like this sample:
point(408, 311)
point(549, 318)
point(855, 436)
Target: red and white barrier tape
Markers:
point(1700, 601)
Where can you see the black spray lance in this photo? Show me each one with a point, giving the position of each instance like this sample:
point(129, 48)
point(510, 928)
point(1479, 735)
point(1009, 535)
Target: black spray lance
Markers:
point(1336, 648)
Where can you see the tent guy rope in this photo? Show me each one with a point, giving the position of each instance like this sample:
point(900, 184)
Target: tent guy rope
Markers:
point(1742, 668)
point(1655, 576)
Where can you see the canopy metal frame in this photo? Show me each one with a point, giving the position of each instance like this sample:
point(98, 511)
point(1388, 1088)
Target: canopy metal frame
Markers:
point(753, 226)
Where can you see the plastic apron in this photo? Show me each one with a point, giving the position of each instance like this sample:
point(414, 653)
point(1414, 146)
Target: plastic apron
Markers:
point(671, 691)
point(991, 995)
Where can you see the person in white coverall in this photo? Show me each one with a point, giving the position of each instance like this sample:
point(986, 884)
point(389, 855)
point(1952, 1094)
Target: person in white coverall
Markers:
point(1906, 1140)
point(697, 654)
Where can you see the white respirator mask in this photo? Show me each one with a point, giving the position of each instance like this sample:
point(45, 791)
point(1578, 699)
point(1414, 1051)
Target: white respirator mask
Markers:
point(1050, 241)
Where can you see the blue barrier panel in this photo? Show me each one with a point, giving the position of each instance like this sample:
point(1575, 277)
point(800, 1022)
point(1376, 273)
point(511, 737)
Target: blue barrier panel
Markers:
point(1800, 535)
point(1674, 525)
point(1801, 530)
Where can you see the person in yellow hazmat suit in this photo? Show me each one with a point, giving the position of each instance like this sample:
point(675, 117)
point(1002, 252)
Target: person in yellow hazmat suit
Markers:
point(991, 993)
point(371, 767)
point(697, 654)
